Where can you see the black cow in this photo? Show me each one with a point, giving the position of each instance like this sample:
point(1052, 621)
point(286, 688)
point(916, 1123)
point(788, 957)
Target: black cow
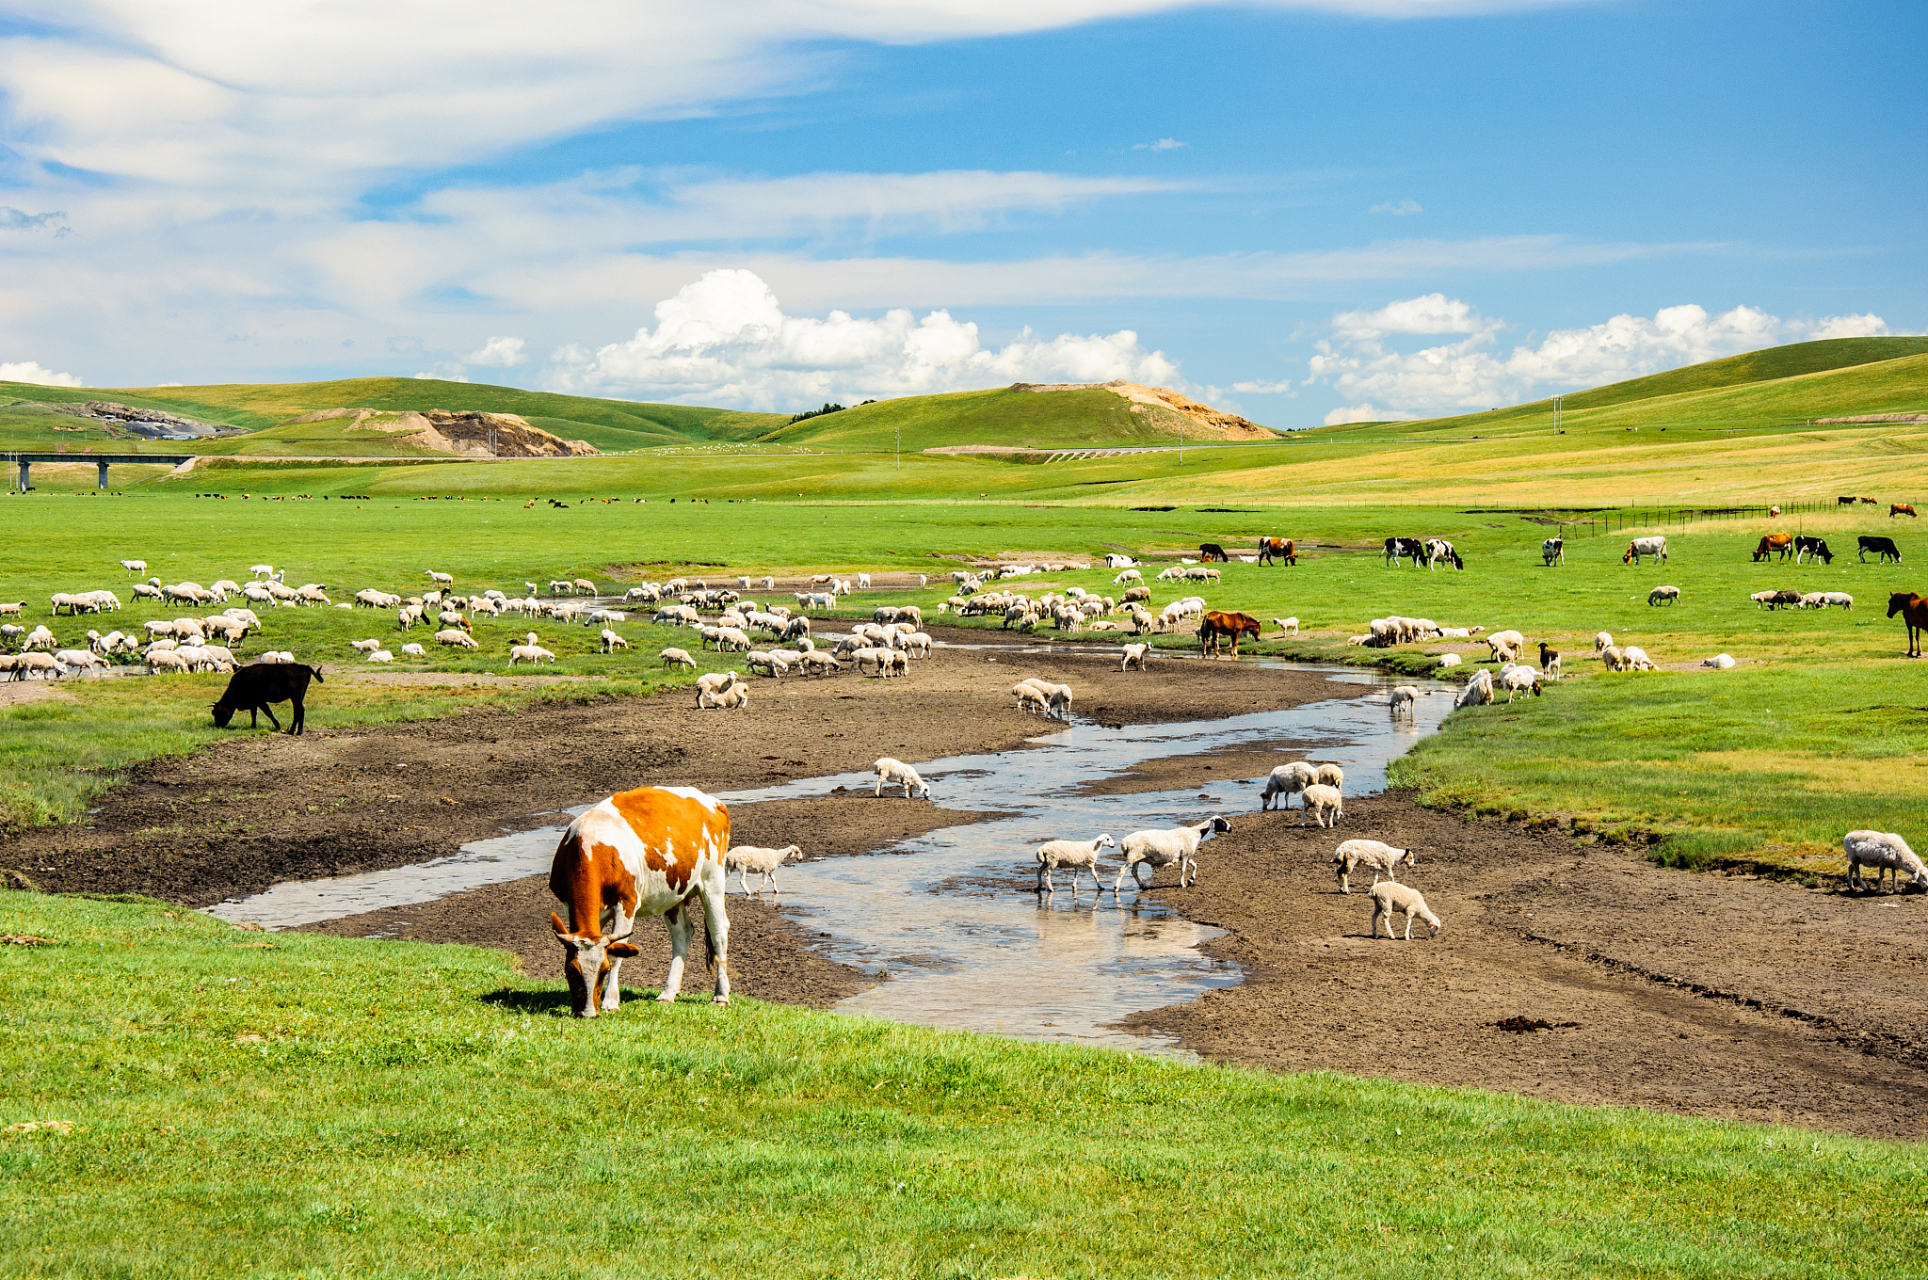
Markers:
point(1805, 546)
point(254, 686)
point(1210, 551)
point(1884, 549)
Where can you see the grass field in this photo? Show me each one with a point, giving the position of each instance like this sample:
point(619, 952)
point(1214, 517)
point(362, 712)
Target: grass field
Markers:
point(296, 1105)
point(1818, 731)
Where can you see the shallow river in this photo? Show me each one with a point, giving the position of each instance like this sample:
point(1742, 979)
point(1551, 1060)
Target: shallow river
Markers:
point(938, 917)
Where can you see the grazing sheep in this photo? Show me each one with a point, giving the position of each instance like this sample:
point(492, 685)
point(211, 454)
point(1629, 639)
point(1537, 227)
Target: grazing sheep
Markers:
point(159, 660)
point(1478, 691)
point(1379, 858)
point(1079, 855)
point(732, 698)
point(678, 658)
point(816, 662)
point(531, 653)
point(1157, 849)
point(1506, 645)
point(1602, 641)
point(411, 650)
point(1324, 803)
point(1286, 781)
point(745, 858)
point(896, 773)
point(612, 642)
point(1134, 656)
point(1389, 896)
point(1884, 851)
point(1030, 698)
point(455, 638)
point(1670, 594)
point(1518, 680)
point(1634, 658)
point(1329, 775)
point(1405, 699)
point(1058, 696)
point(1720, 662)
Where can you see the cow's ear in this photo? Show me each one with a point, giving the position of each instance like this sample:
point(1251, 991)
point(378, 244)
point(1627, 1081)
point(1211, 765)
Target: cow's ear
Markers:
point(623, 949)
point(555, 922)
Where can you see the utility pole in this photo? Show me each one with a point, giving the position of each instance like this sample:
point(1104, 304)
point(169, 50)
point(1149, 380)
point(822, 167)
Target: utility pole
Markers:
point(897, 434)
point(1556, 412)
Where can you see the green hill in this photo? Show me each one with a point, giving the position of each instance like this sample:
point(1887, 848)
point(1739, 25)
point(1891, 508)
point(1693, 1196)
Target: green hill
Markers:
point(610, 425)
point(1780, 388)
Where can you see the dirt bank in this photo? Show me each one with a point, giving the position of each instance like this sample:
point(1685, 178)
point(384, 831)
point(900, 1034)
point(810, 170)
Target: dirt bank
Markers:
point(259, 808)
point(1697, 993)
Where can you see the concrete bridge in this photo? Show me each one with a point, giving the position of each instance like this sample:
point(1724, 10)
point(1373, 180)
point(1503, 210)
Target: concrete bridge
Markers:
point(101, 460)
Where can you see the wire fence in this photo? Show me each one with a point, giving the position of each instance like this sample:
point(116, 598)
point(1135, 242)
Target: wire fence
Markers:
point(1589, 522)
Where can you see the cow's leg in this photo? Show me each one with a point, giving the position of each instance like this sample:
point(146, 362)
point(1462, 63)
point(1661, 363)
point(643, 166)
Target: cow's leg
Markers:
point(710, 889)
point(677, 918)
point(269, 711)
point(617, 925)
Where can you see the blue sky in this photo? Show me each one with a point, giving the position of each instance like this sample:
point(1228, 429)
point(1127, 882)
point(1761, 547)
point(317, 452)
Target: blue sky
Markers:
point(1310, 211)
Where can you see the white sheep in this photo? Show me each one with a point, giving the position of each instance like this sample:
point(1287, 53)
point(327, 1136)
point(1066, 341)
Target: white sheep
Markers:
point(895, 772)
point(1634, 658)
point(1478, 691)
point(1324, 803)
point(530, 653)
point(1389, 896)
point(1079, 855)
point(1719, 662)
point(414, 651)
point(715, 682)
point(1057, 695)
point(1506, 645)
point(1379, 858)
point(1329, 775)
point(1134, 656)
point(364, 646)
point(1287, 626)
point(1518, 680)
point(1449, 659)
point(732, 698)
point(134, 566)
point(745, 858)
point(1157, 849)
point(1602, 641)
point(612, 642)
point(678, 658)
point(1030, 698)
point(440, 579)
point(1405, 699)
point(816, 662)
point(1286, 781)
point(1614, 658)
point(381, 655)
point(1670, 594)
point(159, 660)
point(1884, 851)
point(458, 639)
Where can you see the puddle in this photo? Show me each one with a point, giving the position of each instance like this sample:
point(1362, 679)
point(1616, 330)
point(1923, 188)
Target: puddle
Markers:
point(949, 920)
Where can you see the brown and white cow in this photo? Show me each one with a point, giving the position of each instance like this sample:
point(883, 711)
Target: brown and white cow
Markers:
point(640, 853)
point(1271, 549)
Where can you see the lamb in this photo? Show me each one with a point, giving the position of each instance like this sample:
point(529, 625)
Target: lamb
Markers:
point(381, 655)
point(1157, 849)
point(530, 653)
point(134, 566)
point(1079, 855)
point(611, 641)
point(714, 682)
point(1405, 699)
point(1379, 858)
point(1884, 851)
point(1614, 658)
point(1720, 662)
point(1670, 594)
point(1057, 695)
point(411, 650)
point(745, 858)
point(1634, 658)
point(1506, 645)
point(1518, 680)
point(1549, 661)
point(1134, 656)
point(1287, 626)
point(1389, 896)
point(1030, 699)
point(1286, 781)
point(732, 698)
point(1329, 775)
point(895, 773)
point(678, 658)
point(1324, 803)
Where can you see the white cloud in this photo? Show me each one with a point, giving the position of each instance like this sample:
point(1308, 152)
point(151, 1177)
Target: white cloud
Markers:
point(497, 353)
point(1471, 373)
point(1398, 208)
point(725, 339)
point(55, 220)
point(1364, 413)
point(32, 371)
point(1286, 387)
point(1163, 144)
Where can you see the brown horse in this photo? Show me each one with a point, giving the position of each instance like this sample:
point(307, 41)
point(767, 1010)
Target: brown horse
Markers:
point(1914, 611)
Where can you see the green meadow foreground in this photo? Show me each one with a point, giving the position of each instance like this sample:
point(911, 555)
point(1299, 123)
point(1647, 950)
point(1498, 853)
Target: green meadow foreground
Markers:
point(182, 1098)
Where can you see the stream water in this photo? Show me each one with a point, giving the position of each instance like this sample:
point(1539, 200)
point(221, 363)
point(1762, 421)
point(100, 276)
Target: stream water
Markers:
point(939, 917)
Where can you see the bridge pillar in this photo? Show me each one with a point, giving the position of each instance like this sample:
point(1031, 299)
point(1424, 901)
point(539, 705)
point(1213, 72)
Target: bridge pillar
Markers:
point(24, 485)
point(103, 475)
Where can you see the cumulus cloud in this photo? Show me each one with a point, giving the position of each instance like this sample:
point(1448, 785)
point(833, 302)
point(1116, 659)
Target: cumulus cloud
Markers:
point(1398, 208)
point(1163, 144)
point(1358, 360)
point(1364, 413)
point(497, 353)
point(725, 339)
point(32, 371)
